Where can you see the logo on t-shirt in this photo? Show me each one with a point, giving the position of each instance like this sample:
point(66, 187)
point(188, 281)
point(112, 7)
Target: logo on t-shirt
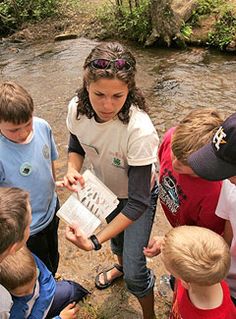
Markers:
point(117, 160)
point(170, 193)
point(26, 169)
point(46, 151)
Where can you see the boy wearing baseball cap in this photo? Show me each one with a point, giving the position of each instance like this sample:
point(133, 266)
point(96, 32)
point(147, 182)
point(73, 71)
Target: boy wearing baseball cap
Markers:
point(217, 161)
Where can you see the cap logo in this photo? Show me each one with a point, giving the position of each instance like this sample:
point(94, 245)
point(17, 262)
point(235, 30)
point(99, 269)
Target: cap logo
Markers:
point(219, 138)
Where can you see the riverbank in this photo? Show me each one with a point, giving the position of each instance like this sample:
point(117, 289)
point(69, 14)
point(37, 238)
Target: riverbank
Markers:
point(78, 21)
point(215, 28)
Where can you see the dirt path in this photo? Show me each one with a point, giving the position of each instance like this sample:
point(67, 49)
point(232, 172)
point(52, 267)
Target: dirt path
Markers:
point(114, 302)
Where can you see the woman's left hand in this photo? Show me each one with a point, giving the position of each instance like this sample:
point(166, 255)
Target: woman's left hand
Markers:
point(78, 237)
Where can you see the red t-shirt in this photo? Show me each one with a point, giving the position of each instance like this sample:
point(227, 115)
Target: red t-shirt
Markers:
point(187, 200)
point(183, 308)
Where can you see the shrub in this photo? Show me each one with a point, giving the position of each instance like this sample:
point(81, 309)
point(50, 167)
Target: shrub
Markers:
point(127, 19)
point(224, 30)
point(15, 12)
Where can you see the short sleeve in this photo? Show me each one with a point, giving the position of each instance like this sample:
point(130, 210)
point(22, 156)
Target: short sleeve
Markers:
point(143, 140)
point(227, 201)
point(54, 152)
point(71, 115)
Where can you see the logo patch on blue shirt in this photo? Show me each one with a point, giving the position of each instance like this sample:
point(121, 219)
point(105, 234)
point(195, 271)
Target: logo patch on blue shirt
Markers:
point(46, 151)
point(26, 169)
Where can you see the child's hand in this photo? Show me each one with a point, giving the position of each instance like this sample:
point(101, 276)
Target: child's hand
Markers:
point(154, 246)
point(72, 178)
point(70, 311)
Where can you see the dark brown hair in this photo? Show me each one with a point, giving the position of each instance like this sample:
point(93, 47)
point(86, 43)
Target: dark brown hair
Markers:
point(110, 51)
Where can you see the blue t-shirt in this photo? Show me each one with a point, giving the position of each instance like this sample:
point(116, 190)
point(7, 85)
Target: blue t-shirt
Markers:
point(29, 166)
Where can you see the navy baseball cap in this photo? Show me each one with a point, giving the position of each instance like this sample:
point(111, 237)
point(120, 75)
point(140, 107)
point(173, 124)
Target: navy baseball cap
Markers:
point(217, 160)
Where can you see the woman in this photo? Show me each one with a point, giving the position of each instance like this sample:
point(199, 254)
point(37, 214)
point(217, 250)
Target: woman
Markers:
point(108, 123)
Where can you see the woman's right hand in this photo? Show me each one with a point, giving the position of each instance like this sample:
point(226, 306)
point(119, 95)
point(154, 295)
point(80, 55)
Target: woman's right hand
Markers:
point(72, 178)
point(78, 237)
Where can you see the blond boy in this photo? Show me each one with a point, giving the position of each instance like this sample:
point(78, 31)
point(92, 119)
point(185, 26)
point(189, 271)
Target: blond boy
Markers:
point(217, 161)
point(199, 259)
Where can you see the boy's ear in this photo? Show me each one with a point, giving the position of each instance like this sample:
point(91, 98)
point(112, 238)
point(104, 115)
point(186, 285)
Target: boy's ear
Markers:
point(9, 251)
point(185, 284)
point(14, 248)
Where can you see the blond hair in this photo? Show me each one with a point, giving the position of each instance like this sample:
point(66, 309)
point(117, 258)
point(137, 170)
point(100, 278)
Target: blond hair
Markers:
point(196, 255)
point(194, 131)
point(16, 105)
point(18, 269)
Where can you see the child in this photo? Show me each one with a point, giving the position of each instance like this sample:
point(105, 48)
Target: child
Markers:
point(35, 292)
point(185, 198)
point(27, 154)
point(217, 161)
point(15, 219)
point(122, 147)
point(200, 259)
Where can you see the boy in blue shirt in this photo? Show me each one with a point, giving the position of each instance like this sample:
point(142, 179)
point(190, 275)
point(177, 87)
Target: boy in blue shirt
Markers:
point(27, 155)
point(35, 293)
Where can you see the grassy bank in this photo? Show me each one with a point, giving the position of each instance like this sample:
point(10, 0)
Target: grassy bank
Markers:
point(213, 23)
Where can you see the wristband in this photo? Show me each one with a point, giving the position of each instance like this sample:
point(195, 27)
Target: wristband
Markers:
point(95, 242)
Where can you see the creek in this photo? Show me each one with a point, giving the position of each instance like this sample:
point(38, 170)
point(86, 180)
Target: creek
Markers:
point(173, 81)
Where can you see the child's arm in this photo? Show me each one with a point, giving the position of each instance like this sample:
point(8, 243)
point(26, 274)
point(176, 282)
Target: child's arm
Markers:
point(73, 177)
point(53, 170)
point(154, 246)
point(228, 232)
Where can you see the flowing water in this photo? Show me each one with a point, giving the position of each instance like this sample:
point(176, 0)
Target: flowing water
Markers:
point(174, 82)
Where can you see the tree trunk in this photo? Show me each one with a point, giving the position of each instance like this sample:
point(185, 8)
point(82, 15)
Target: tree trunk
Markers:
point(167, 18)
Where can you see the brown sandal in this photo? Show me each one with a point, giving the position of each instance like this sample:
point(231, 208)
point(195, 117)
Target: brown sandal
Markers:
point(107, 282)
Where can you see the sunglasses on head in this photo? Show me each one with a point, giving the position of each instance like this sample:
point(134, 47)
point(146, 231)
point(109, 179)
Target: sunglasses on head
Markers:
point(103, 64)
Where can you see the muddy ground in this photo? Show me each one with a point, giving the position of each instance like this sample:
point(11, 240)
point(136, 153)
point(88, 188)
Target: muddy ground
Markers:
point(114, 302)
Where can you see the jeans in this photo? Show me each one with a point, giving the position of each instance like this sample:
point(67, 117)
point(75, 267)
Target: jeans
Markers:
point(67, 291)
point(130, 243)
